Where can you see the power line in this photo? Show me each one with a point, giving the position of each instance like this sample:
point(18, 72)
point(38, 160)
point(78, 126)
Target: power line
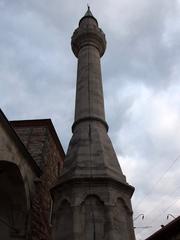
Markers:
point(158, 181)
point(157, 205)
point(173, 203)
point(172, 194)
point(164, 210)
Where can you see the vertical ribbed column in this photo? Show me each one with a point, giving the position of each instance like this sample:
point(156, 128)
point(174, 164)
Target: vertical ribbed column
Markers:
point(89, 92)
point(88, 44)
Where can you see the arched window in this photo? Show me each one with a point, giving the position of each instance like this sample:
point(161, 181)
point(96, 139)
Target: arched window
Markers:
point(121, 220)
point(13, 203)
point(93, 218)
point(63, 227)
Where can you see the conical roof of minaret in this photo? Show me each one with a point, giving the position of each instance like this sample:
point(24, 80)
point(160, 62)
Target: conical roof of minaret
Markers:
point(88, 14)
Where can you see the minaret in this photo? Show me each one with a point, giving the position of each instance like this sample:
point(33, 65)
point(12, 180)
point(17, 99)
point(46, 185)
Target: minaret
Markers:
point(92, 197)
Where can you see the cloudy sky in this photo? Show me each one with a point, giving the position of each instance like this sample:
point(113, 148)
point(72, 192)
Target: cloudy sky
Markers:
point(141, 77)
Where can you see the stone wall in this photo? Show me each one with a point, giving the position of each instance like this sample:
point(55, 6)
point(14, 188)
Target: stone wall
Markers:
point(18, 171)
point(42, 142)
point(42, 201)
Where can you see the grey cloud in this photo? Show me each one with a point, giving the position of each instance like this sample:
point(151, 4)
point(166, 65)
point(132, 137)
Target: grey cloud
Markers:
point(140, 69)
point(140, 53)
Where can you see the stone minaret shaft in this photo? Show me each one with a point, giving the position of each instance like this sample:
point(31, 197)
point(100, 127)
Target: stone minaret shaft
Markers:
point(88, 44)
point(92, 197)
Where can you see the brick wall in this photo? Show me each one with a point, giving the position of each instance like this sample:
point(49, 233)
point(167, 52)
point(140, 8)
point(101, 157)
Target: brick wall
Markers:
point(41, 142)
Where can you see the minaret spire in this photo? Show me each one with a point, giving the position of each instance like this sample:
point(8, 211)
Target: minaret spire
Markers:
point(92, 192)
point(88, 13)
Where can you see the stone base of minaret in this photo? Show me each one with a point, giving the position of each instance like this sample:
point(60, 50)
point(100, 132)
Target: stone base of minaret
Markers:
point(92, 198)
point(97, 209)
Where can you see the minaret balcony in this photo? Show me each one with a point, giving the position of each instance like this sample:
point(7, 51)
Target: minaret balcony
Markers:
point(88, 37)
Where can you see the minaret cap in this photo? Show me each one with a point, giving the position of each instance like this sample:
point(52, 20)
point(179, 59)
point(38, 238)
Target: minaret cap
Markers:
point(88, 14)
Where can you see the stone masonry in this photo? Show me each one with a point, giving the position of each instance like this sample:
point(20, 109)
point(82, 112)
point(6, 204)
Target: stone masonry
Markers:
point(91, 197)
point(41, 141)
point(31, 158)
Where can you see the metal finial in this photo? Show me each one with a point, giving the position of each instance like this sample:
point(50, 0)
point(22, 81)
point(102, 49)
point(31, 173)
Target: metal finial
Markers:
point(170, 215)
point(88, 7)
point(140, 215)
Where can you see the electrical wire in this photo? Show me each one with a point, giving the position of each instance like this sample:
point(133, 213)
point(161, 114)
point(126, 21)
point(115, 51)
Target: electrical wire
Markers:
point(158, 181)
point(172, 193)
point(164, 210)
point(158, 205)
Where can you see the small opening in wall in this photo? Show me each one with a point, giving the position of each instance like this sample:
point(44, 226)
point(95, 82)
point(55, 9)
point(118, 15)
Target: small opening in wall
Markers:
point(51, 213)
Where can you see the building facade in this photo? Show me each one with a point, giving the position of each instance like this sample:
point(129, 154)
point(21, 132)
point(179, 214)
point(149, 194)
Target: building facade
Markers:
point(171, 231)
point(31, 157)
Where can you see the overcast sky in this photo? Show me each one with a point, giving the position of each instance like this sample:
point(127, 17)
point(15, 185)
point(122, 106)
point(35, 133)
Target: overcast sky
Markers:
point(141, 78)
